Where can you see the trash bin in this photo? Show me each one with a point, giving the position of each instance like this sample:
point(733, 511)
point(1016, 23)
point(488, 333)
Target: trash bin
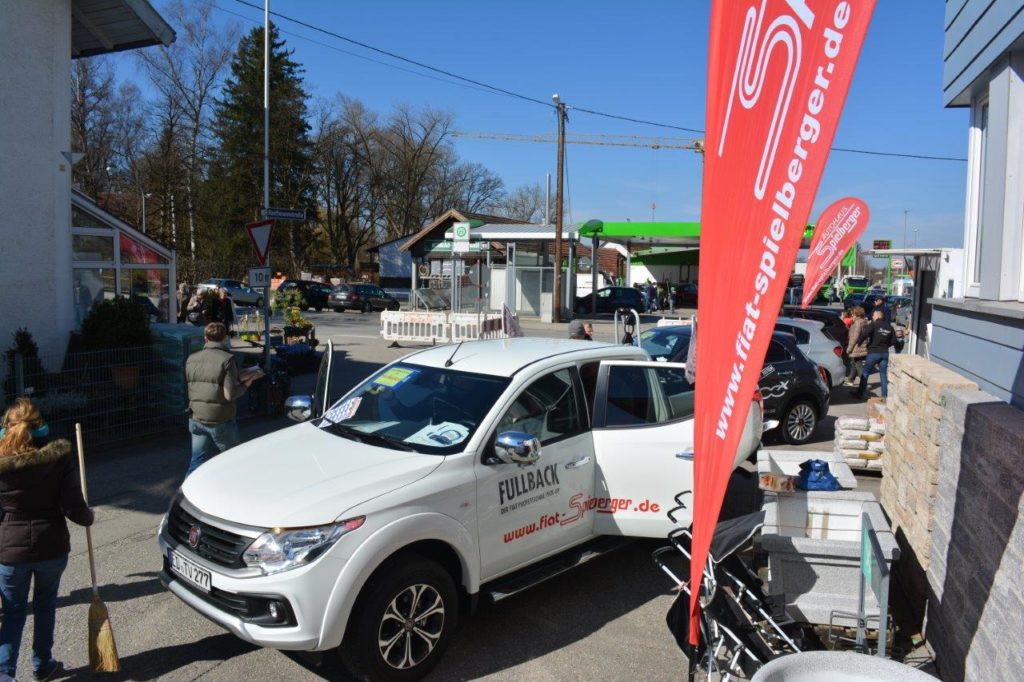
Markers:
point(837, 666)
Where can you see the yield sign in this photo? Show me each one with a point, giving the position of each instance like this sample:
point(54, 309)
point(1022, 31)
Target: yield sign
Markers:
point(260, 233)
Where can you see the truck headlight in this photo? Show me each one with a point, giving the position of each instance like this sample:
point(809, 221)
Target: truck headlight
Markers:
point(283, 549)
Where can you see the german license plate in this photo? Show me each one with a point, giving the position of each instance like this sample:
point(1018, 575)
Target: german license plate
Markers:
point(189, 571)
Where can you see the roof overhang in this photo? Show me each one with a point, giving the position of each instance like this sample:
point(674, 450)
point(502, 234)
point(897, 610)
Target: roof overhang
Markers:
point(104, 26)
point(885, 253)
point(656, 233)
point(514, 232)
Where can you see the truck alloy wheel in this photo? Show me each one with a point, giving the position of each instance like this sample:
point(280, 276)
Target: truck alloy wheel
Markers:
point(403, 621)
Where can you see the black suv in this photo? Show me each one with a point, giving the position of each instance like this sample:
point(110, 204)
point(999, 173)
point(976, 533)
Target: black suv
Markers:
point(362, 297)
point(610, 299)
point(794, 389)
point(315, 293)
point(835, 328)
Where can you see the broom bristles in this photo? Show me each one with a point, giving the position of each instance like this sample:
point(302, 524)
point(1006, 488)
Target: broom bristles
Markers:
point(102, 647)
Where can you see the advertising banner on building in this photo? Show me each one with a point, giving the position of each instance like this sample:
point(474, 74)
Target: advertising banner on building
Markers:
point(778, 74)
point(836, 231)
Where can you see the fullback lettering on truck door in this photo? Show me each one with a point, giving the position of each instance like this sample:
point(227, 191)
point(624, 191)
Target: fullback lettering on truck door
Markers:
point(527, 487)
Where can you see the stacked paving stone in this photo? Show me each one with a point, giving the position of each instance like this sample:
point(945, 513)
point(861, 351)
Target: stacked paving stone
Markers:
point(860, 440)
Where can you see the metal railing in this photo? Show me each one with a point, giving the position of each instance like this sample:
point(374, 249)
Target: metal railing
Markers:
point(117, 395)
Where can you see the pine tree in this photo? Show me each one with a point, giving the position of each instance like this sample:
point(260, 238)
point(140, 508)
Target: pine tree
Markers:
point(236, 173)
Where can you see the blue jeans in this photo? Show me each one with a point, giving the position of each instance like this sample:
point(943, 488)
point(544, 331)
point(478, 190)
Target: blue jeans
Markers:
point(14, 584)
point(209, 440)
point(881, 360)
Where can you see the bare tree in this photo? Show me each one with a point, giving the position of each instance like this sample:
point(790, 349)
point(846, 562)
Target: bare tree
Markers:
point(466, 186)
point(92, 125)
point(525, 203)
point(349, 210)
point(188, 74)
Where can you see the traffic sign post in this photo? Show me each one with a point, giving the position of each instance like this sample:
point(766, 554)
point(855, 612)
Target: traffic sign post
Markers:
point(259, 278)
point(260, 233)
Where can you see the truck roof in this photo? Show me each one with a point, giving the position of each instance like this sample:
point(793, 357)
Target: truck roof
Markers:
point(505, 357)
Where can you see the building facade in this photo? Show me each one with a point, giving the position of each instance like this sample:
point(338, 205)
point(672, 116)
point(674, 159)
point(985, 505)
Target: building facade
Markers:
point(981, 335)
point(38, 41)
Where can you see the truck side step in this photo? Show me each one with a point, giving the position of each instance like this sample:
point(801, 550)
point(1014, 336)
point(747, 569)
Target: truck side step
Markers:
point(516, 582)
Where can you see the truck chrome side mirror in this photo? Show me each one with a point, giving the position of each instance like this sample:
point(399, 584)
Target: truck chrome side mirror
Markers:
point(517, 447)
point(299, 407)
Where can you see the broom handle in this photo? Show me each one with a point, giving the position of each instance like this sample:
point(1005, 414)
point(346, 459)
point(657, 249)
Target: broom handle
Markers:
point(85, 496)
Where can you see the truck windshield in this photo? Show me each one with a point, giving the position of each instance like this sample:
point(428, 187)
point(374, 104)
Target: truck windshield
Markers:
point(857, 282)
point(410, 407)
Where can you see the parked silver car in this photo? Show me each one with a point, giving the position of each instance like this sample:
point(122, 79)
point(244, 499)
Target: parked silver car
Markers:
point(239, 293)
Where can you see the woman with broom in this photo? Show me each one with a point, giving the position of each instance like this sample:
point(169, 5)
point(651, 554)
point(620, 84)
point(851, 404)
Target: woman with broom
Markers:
point(39, 487)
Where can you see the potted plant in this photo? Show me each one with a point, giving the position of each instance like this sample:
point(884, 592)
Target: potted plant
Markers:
point(117, 324)
point(32, 367)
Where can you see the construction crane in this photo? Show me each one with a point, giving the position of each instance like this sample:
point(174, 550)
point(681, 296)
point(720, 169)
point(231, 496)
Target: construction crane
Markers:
point(636, 141)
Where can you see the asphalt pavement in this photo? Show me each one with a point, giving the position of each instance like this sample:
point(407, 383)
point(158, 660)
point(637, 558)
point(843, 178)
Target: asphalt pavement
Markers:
point(602, 621)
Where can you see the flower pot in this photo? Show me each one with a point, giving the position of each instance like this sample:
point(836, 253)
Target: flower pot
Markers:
point(126, 378)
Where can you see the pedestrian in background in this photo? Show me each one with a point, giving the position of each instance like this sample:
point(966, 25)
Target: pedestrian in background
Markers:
point(588, 331)
point(856, 351)
point(182, 299)
point(194, 309)
point(880, 305)
point(879, 337)
point(39, 488)
point(577, 331)
point(214, 387)
point(225, 309)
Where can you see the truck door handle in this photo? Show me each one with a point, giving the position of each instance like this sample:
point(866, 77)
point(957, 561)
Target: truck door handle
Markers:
point(685, 455)
point(577, 463)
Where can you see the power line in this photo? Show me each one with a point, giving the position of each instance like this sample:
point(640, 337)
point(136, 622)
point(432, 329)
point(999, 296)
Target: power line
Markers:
point(487, 87)
point(472, 81)
point(400, 57)
point(355, 54)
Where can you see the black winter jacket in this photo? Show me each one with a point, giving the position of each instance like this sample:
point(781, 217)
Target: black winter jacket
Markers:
point(38, 489)
point(880, 336)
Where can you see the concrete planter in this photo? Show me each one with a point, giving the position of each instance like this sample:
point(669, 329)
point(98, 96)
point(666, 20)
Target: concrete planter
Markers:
point(813, 544)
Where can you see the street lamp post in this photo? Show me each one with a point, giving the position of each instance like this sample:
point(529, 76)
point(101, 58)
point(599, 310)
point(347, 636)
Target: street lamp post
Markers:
point(145, 195)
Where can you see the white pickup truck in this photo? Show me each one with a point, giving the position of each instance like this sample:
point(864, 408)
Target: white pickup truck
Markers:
point(458, 472)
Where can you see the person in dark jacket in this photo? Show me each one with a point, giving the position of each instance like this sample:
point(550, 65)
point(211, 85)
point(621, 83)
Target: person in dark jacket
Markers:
point(880, 337)
point(39, 488)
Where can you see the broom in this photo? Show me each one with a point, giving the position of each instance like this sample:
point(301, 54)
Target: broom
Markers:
point(102, 647)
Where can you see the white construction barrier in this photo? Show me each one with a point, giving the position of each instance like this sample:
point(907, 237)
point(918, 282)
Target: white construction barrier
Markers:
point(408, 325)
point(471, 327)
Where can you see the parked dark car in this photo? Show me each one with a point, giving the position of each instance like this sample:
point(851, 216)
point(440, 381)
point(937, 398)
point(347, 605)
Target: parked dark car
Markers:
point(835, 328)
point(794, 389)
point(854, 300)
point(362, 297)
point(315, 293)
point(610, 299)
point(685, 295)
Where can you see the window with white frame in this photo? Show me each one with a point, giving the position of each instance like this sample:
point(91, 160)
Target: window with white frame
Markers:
point(976, 194)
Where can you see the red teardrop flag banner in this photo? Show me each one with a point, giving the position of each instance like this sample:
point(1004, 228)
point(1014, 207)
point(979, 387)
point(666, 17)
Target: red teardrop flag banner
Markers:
point(778, 74)
point(835, 232)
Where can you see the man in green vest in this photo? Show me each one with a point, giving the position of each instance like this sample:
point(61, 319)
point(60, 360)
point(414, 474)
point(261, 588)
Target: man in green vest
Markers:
point(214, 386)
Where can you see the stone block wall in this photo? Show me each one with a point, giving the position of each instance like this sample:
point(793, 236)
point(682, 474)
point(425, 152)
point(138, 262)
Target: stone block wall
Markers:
point(953, 487)
point(913, 415)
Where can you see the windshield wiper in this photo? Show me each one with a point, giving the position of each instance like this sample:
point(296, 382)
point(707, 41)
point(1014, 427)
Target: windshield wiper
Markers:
point(368, 437)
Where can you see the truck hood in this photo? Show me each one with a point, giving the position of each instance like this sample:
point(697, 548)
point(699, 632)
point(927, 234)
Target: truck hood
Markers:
point(300, 476)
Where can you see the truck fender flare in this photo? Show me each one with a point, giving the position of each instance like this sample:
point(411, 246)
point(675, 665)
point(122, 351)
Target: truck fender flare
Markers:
point(383, 543)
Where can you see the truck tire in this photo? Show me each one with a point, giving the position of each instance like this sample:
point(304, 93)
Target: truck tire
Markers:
point(403, 620)
point(799, 421)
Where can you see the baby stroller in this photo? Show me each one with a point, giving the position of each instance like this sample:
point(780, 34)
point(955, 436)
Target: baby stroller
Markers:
point(742, 628)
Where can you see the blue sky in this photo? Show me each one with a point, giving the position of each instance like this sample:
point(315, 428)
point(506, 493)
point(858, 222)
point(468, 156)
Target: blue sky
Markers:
point(644, 59)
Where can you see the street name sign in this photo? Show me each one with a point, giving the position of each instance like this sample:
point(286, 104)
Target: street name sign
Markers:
point(259, 234)
point(259, 278)
point(298, 214)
